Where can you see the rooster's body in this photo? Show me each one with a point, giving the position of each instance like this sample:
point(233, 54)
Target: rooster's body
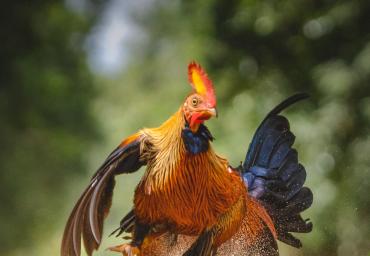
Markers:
point(190, 201)
point(191, 191)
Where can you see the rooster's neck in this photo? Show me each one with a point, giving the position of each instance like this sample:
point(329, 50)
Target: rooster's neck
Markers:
point(170, 145)
point(178, 174)
point(175, 134)
point(196, 142)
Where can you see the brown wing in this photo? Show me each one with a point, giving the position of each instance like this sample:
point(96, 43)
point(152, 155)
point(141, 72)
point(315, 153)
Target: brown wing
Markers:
point(86, 219)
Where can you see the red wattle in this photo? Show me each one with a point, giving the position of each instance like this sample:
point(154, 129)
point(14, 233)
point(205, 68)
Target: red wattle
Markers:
point(195, 119)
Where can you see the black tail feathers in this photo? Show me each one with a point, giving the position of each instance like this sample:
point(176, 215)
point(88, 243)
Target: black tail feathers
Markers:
point(274, 176)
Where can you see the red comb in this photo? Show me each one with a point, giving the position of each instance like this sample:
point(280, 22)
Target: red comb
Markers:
point(200, 82)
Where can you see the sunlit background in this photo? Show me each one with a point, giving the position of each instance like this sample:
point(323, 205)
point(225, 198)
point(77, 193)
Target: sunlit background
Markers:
point(77, 76)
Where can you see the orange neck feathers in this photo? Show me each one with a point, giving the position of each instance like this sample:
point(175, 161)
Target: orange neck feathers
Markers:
point(191, 190)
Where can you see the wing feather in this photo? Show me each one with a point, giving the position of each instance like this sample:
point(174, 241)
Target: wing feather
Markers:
point(86, 218)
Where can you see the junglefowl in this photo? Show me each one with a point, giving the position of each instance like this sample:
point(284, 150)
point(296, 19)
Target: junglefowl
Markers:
point(190, 201)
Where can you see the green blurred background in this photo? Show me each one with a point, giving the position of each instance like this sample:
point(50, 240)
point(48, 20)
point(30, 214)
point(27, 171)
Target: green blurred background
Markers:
point(77, 76)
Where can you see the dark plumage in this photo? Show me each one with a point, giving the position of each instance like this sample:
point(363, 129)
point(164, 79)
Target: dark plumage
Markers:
point(197, 142)
point(273, 174)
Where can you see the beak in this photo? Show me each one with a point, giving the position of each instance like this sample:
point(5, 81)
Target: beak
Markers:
point(213, 112)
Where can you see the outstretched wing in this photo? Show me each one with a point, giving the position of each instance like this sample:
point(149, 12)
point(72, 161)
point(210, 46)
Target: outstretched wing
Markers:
point(275, 177)
point(86, 219)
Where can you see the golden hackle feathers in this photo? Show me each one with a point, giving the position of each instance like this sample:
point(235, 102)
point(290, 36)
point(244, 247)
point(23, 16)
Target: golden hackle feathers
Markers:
point(190, 191)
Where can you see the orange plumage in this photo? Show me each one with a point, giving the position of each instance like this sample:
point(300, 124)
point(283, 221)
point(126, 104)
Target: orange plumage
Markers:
point(191, 193)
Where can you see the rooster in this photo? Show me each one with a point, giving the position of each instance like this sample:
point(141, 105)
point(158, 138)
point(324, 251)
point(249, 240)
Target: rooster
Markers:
point(190, 201)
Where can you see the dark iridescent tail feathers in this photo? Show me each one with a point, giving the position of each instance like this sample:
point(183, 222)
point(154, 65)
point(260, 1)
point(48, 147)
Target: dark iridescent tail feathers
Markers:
point(275, 177)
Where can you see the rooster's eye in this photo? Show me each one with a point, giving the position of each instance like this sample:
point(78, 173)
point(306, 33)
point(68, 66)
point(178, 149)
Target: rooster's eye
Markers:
point(194, 102)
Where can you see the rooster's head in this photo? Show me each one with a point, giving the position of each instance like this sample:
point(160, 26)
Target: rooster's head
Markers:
point(201, 104)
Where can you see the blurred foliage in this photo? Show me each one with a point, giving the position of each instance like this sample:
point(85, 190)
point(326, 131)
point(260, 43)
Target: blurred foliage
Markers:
point(256, 52)
point(46, 92)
